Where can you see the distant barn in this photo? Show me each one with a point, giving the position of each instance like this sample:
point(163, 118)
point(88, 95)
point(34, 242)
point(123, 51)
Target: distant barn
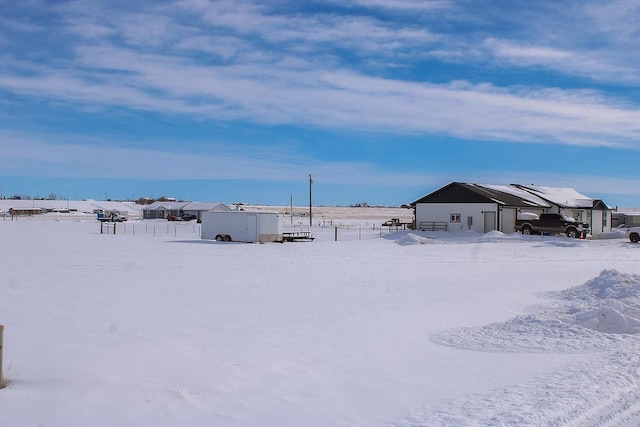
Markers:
point(25, 211)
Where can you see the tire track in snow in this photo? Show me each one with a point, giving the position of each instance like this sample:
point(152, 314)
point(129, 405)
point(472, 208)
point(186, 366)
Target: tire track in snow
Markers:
point(598, 319)
point(603, 391)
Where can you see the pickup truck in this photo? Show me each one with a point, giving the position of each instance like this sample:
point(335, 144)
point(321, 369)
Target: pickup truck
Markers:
point(111, 215)
point(634, 234)
point(552, 223)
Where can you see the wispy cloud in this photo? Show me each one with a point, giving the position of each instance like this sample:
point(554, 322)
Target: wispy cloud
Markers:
point(592, 65)
point(332, 98)
point(264, 63)
point(404, 5)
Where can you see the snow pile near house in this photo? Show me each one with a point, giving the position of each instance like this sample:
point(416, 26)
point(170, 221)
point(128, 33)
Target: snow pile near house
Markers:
point(586, 318)
point(409, 239)
point(493, 234)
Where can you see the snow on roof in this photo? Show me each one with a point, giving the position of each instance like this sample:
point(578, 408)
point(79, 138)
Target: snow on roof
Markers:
point(190, 206)
point(86, 206)
point(205, 206)
point(167, 205)
point(561, 196)
point(527, 198)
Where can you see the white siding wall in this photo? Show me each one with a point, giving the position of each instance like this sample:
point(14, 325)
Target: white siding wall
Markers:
point(508, 220)
point(442, 212)
point(597, 225)
point(596, 222)
point(609, 226)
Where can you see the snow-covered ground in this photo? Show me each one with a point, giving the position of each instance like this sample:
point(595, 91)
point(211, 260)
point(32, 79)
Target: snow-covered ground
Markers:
point(153, 326)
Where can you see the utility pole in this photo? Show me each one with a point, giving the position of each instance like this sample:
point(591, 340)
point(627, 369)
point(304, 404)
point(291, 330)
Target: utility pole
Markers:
point(291, 209)
point(310, 212)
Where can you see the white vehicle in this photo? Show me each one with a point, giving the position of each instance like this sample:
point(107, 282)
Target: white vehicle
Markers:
point(241, 226)
point(634, 234)
point(112, 215)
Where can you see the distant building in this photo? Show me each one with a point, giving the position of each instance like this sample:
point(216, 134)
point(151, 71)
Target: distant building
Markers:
point(163, 209)
point(26, 211)
point(482, 208)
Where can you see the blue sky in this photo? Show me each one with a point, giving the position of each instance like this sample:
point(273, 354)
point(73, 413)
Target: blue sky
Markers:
point(381, 101)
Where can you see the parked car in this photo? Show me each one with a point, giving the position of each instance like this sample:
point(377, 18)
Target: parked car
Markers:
point(183, 217)
point(634, 234)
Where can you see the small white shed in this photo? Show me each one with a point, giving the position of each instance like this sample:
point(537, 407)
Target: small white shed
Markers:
point(241, 226)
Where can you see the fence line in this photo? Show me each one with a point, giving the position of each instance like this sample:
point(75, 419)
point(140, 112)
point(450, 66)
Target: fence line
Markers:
point(335, 231)
point(341, 232)
point(2, 384)
point(157, 229)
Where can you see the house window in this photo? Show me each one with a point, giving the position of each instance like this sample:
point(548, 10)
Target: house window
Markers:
point(455, 217)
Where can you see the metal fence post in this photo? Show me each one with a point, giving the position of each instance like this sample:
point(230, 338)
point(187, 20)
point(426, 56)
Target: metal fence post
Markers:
point(1, 341)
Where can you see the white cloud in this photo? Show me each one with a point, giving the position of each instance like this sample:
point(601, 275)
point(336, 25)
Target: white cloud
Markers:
point(404, 5)
point(336, 99)
point(528, 54)
point(590, 64)
point(257, 63)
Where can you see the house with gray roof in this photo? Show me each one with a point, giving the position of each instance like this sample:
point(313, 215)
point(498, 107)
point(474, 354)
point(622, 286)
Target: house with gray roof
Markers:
point(569, 202)
point(461, 206)
point(163, 209)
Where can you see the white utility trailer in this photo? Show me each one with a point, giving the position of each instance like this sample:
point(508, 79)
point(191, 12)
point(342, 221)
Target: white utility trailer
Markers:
point(241, 226)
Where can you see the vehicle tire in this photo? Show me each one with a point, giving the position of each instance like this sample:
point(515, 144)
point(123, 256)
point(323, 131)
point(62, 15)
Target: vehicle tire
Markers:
point(573, 233)
point(526, 230)
point(634, 237)
point(227, 238)
point(219, 238)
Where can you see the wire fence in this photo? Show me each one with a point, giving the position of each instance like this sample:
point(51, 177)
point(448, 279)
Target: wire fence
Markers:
point(338, 231)
point(151, 229)
point(324, 231)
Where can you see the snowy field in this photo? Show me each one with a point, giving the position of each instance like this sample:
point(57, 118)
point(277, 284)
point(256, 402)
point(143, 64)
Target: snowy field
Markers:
point(154, 327)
